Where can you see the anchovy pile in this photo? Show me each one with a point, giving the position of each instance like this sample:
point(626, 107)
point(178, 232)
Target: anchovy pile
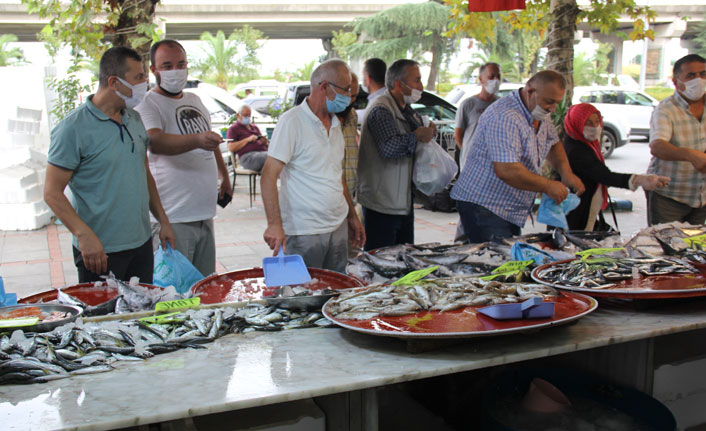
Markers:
point(86, 348)
point(443, 295)
point(602, 272)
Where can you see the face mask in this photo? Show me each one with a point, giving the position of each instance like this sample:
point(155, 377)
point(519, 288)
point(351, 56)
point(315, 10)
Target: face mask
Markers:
point(173, 81)
point(492, 86)
point(138, 93)
point(412, 98)
point(539, 113)
point(591, 133)
point(338, 104)
point(694, 88)
point(246, 120)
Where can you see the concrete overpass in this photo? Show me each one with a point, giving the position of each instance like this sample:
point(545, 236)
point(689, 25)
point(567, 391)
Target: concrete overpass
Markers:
point(290, 19)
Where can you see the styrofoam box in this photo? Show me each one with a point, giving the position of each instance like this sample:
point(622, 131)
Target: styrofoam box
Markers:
point(27, 216)
point(17, 177)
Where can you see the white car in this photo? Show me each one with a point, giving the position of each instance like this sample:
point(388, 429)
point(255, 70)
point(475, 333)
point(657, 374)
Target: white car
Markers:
point(626, 113)
point(222, 106)
point(259, 87)
point(462, 92)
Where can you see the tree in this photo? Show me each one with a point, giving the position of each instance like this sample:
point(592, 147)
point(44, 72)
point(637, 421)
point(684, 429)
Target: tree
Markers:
point(557, 19)
point(304, 72)
point(88, 28)
point(405, 31)
point(223, 55)
point(10, 56)
point(700, 38)
point(342, 41)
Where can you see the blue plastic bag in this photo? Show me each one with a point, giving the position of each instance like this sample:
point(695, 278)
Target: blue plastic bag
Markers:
point(553, 214)
point(171, 268)
point(522, 251)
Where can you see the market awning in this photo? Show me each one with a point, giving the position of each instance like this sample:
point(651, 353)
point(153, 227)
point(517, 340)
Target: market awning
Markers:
point(494, 5)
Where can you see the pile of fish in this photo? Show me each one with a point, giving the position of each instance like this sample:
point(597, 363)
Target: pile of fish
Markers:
point(131, 297)
point(665, 238)
point(85, 348)
point(443, 295)
point(601, 272)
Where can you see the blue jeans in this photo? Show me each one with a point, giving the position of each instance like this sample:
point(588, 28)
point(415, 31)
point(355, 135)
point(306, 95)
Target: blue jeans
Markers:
point(481, 225)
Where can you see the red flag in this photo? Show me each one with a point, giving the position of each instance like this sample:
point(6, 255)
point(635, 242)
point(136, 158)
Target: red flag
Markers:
point(494, 5)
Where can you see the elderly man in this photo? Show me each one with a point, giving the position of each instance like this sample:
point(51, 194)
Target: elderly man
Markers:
point(390, 135)
point(677, 143)
point(468, 114)
point(184, 155)
point(349, 127)
point(99, 151)
point(312, 214)
point(501, 178)
point(247, 141)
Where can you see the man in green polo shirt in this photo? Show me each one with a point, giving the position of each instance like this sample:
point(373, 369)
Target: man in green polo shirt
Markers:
point(99, 151)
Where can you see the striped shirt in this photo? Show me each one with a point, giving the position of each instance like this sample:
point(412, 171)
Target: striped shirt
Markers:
point(504, 134)
point(672, 122)
point(350, 156)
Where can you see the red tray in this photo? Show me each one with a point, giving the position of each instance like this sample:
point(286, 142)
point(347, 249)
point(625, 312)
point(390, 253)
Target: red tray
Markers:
point(651, 287)
point(467, 322)
point(247, 284)
point(86, 292)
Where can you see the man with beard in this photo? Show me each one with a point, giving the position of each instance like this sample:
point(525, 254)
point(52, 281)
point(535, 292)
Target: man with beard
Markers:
point(184, 155)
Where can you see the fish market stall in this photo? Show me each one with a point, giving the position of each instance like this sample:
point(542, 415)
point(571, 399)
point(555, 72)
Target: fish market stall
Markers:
point(241, 349)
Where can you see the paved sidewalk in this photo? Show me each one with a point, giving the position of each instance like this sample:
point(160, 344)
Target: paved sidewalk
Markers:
point(34, 261)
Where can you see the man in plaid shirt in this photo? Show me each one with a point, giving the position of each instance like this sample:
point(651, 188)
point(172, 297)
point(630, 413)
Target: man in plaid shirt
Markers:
point(502, 174)
point(677, 143)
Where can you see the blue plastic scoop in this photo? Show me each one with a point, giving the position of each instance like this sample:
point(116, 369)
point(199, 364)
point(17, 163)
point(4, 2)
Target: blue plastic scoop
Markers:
point(284, 270)
point(532, 308)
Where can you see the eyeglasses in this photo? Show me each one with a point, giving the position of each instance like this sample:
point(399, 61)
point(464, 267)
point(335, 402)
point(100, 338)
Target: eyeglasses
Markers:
point(345, 90)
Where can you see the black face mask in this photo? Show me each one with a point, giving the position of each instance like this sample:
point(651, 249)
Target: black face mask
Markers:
point(344, 113)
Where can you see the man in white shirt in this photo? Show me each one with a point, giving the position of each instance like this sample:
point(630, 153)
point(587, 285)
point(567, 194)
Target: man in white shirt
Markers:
point(312, 214)
point(184, 156)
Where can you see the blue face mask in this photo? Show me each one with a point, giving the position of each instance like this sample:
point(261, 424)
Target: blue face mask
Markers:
point(338, 104)
point(246, 120)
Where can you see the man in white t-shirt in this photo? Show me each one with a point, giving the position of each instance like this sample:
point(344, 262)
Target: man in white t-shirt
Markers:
point(312, 214)
point(184, 156)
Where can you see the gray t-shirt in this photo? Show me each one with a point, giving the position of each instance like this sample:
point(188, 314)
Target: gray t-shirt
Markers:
point(467, 118)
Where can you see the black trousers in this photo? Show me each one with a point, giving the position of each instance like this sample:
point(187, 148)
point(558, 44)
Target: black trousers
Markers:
point(137, 262)
point(383, 230)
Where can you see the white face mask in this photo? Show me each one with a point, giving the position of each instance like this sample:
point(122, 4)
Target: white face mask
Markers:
point(592, 133)
point(138, 93)
point(539, 113)
point(412, 98)
point(492, 86)
point(173, 81)
point(694, 88)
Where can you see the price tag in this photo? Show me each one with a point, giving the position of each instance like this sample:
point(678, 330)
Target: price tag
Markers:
point(698, 241)
point(162, 318)
point(179, 303)
point(508, 268)
point(591, 251)
point(21, 321)
point(415, 276)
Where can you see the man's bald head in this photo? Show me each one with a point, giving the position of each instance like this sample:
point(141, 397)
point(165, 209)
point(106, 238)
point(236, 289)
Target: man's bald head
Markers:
point(547, 77)
point(330, 71)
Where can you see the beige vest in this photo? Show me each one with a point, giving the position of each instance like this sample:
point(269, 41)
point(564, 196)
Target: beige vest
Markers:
point(384, 184)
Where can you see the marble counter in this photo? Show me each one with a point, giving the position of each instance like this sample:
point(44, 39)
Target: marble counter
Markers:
point(241, 371)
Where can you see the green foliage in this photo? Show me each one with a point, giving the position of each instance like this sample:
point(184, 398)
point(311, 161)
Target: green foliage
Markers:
point(10, 56)
point(405, 31)
point(67, 91)
point(632, 70)
point(659, 93)
point(304, 72)
point(342, 41)
point(589, 71)
point(87, 27)
point(700, 38)
point(277, 107)
point(236, 54)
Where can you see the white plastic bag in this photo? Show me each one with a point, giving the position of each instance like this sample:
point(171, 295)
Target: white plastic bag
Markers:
point(434, 168)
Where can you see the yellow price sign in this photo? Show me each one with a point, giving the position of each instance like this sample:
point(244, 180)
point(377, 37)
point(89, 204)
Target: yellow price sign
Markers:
point(178, 303)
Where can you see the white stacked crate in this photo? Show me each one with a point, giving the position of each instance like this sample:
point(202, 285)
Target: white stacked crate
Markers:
point(22, 171)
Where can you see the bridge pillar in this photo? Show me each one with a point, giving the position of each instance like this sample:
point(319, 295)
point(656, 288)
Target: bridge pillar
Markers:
point(327, 43)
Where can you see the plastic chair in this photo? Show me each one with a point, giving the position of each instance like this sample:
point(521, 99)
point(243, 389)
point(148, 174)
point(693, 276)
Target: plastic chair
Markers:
point(252, 177)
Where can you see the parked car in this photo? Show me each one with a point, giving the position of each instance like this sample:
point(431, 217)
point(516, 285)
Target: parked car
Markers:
point(222, 106)
point(259, 87)
point(626, 113)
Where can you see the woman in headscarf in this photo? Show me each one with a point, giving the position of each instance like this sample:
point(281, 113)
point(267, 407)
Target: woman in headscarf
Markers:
point(583, 124)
